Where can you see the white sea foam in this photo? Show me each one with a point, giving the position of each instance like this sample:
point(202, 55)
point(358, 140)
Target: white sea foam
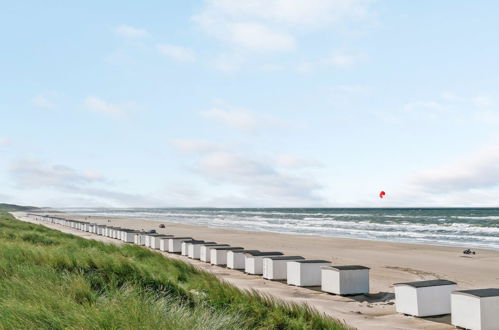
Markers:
point(479, 228)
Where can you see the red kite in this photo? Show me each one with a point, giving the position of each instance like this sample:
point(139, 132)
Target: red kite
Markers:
point(382, 194)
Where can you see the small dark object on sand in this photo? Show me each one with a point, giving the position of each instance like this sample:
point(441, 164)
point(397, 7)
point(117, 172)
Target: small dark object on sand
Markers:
point(468, 251)
point(152, 231)
point(161, 226)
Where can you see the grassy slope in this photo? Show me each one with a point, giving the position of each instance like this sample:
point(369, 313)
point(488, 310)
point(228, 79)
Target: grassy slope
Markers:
point(53, 280)
point(13, 207)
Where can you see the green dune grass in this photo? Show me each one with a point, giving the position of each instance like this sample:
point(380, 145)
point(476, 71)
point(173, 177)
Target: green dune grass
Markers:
point(52, 280)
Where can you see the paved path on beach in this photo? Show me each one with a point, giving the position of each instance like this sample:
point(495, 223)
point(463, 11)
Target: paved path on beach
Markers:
point(362, 312)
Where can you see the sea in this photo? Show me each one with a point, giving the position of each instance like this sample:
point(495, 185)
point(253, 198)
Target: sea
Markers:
point(463, 227)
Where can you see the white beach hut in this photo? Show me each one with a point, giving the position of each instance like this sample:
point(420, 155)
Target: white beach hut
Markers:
point(194, 250)
point(156, 240)
point(253, 261)
point(424, 298)
point(185, 246)
point(117, 233)
point(345, 280)
point(205, 254)
point(140, 238)
point(236, 258)
point(475, 309)
point(163, 243)
point(274, 268)
point(175, 244)
point(305, 272)
point(148, 238)
point(100, 230)
point(129, 235)
point(218, 255)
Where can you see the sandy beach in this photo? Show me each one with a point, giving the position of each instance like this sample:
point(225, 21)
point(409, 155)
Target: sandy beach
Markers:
point(389, 262)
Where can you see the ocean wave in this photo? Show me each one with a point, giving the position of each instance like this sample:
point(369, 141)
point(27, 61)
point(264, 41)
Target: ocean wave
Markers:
point(474, 228)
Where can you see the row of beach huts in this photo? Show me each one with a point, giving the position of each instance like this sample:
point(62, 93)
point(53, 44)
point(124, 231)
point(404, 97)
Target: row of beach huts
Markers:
point(470, 309)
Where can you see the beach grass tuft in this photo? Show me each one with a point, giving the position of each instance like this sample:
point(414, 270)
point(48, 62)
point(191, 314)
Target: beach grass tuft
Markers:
point(52, 280)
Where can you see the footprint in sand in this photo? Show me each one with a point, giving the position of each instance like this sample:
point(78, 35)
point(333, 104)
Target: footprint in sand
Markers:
point(421, 273)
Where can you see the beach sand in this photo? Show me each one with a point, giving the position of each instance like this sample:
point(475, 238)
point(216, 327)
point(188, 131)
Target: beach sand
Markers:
point(389, 262)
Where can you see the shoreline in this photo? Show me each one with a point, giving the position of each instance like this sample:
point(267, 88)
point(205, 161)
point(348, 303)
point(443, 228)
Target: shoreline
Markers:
point(310, 234)
point(389, 262)
point(437, 242)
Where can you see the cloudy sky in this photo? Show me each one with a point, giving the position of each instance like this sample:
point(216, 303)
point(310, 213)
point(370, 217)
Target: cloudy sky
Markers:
point(249, 103)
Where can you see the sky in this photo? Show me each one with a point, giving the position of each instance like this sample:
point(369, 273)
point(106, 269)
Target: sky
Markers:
point(255, 103)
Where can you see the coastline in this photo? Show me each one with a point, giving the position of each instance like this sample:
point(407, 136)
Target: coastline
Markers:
point(389, 262)
point(471, 228)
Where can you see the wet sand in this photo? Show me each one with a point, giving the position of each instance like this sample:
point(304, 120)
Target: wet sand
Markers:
point(389, 262)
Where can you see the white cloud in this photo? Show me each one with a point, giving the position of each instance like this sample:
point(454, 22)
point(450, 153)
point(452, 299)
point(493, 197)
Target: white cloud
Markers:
point(73, 184)
point(424, 106)
point(343, 60)
point(274, 25)
point(476, 171)
point(193, 146)
point(455, 108)
point(259, 37)
point(293, 162)
point(250, 181)
point(178, 53)
point(130, 31)
point(43, 101)
point(5, 141)
point(238, 119)
point(258, 179)
point(32, 173)
point(482, 101)
point(98, 105)
point(228, 62)
point(289, 12)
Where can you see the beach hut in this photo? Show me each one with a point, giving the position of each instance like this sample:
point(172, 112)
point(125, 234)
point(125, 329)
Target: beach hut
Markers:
point(218, 255)
point(140, 238)
point(175, 244)
point(194, 251)
point(424, 298)
point(100, 230)
point(115, 232)
point(475, 309)
point(236, 258)
point(205, 254)
point(163, 243)
point(305, 272)
point(345, 280)
point(253, 261)
point(148, 238)
point(185, 246)
point(129, 235)
point(155, 240)
point(274, 268)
